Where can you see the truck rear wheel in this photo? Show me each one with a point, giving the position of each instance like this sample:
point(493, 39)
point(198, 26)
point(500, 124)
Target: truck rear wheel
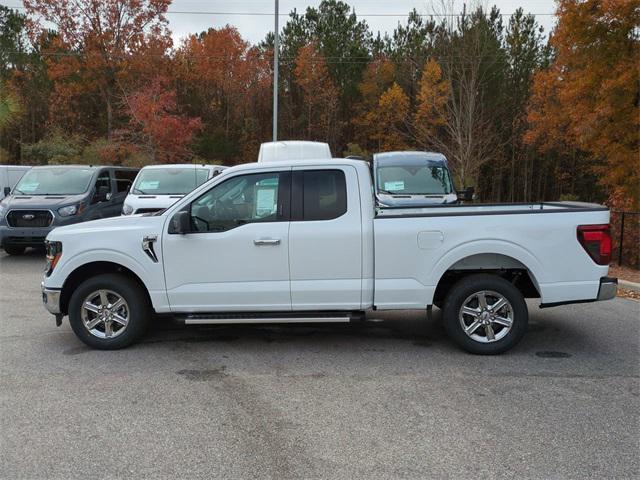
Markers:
point(485, 314)
point(109, 311)
point(14, 250)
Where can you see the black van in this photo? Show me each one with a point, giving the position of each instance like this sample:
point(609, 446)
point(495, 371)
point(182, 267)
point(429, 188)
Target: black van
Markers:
point(51, 196)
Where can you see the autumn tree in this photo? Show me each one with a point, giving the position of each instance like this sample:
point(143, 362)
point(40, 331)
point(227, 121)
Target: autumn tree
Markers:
point(470, 59)
point(156, 124)
point(591, 90)
point(431, 105)
point(377, 78)
point(95, 42)
point(390, 118)
point(320, 95)
point(226, 82)
point(409, 47)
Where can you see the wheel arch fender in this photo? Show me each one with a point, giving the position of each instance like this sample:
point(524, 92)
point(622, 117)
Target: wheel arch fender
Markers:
point(98, 262)
point(489, 247)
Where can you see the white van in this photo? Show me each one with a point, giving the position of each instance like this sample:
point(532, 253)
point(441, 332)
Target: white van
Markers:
point(293, 150)
point(10, 175)
point(157, 187)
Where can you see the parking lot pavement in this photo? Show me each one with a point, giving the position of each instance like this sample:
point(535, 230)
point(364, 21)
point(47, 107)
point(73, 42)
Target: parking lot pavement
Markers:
point(389, 399)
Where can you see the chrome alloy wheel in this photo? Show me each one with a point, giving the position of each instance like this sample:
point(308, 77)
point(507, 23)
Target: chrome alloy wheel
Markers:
point(486, 316)
point(105, 314)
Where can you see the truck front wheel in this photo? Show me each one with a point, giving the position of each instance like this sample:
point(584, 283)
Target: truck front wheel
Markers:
point(485, 314)
point(109, 311)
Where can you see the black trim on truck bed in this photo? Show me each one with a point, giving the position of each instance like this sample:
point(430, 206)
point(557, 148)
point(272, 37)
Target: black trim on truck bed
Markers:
point(533, 208)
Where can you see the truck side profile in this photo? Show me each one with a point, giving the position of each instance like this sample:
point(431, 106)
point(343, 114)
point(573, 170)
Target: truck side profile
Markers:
point(304, 242)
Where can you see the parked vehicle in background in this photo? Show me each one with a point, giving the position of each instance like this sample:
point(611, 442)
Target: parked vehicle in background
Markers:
point(159, 186)
point(291, 150)
point(9, 176)
point(303, 241)
point(50, 196)
point(412, 179)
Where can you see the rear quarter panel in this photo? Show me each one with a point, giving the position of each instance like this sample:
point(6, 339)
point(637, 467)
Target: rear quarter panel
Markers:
point(412, 253)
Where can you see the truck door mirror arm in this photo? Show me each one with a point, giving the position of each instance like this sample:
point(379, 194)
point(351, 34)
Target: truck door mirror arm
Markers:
point(466, 195)
point(180, 223)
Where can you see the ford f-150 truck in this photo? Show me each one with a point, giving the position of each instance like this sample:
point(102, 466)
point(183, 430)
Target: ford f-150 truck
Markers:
point(302, 241)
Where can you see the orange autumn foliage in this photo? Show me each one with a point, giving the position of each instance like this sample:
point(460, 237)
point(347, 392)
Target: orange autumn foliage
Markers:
point(320, 94)
point(589, 97)
point(157, 125)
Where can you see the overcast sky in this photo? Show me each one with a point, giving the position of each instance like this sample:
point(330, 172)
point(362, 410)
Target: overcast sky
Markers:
point(255, 27)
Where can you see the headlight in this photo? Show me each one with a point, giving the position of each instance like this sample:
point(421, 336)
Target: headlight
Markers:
point(68, 210)
point(54, 252)
point(127, 209)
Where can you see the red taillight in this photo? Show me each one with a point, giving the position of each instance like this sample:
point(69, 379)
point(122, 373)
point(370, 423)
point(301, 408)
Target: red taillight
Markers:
point(596, 240)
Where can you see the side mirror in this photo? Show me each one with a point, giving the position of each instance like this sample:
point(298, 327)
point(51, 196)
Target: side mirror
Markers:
point(7, 191)
point(103, 194)
point(180, 223)
point(467, 195)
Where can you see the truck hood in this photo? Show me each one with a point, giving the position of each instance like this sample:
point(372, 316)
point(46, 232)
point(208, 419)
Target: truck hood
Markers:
point(108, 225)
point(151, 201)
point(46, 202)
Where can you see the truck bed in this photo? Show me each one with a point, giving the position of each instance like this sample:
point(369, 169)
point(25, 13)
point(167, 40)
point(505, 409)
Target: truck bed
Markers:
point(415, 247)
point(489, 209)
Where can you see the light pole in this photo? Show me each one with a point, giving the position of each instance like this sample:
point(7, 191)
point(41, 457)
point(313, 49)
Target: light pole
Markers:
point(275, 76)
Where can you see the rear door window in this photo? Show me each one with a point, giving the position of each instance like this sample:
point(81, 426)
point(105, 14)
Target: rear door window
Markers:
point(321, 195)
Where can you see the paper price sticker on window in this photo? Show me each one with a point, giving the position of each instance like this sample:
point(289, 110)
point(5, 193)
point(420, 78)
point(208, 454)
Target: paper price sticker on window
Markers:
point(266, 202)
point(29, 187)
point(394, 186)
point(149, 184)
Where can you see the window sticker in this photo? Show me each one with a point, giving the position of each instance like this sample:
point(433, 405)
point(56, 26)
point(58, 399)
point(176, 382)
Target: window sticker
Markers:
point(29, 187)
point(394, 186)
point(265, 201)
point(149, 185)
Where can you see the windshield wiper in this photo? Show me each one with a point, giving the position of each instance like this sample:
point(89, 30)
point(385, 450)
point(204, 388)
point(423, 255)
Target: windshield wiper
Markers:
point(139, 192)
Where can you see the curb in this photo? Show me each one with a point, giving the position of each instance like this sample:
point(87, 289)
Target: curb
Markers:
point(629, 285)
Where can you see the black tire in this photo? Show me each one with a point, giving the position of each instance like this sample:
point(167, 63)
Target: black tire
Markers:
point(467, 287)
point(14, 249)
point(137, 302)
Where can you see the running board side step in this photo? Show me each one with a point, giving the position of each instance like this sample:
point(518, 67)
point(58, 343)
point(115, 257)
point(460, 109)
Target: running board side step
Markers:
point(271, 317)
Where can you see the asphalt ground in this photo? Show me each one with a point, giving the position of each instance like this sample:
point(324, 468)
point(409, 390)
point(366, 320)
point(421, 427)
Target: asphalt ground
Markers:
point(387, 399)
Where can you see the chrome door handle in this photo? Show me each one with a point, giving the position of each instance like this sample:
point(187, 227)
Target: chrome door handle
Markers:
point(266, 241)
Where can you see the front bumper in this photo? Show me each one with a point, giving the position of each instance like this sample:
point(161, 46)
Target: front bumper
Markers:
point(24, 237)
point(51, 299)
point(608, 288)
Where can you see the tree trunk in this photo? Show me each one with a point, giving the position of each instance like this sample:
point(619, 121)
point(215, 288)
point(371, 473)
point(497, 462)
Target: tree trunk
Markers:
point(109, 100)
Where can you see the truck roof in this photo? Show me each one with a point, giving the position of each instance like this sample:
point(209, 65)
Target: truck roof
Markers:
point(183, 165)
point(293, 150)
point(297, 163)
point(90, 167)
point(409, 158)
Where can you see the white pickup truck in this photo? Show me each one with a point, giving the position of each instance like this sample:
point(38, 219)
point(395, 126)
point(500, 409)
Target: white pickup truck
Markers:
point(302, 241)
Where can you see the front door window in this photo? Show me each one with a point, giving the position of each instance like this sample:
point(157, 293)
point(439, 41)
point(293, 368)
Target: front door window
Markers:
point(238, 201)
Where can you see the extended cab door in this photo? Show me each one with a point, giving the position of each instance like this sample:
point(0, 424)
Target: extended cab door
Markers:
point(235, 256)
point(325, 239)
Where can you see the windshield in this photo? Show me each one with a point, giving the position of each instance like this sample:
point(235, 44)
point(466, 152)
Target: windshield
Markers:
point(169, 181)
point(54, 181)
point(414, 180)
